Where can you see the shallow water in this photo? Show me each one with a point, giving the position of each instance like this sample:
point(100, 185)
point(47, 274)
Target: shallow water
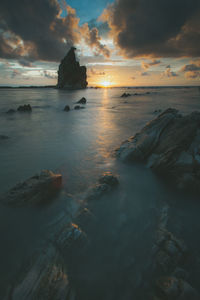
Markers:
point(79, 145)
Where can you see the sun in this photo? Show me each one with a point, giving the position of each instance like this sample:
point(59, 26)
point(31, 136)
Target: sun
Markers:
point(105, 83)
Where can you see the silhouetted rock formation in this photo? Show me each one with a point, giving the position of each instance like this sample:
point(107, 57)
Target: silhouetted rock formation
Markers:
point(70, 74)
point(170, 146)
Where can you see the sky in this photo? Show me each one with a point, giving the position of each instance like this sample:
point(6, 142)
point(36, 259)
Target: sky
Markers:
point(121, 42)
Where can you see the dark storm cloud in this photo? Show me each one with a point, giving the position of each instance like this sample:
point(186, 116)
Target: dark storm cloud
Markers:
point(191, 71)
point(37, 23)
point(40, 31)
point(157, 28)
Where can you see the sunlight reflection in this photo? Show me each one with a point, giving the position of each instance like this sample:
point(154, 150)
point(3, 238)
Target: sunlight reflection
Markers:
point(106, 126)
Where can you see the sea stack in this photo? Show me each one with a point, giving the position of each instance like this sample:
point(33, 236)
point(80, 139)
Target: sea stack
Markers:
point(70, 74)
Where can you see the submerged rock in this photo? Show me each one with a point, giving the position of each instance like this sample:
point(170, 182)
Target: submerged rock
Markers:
point(3, 137)
point(125, 95)
point(36, 189)
point(82, 101)
point(78, 107)
point(70, 74)
point(24, 108)
point(109, 179)
point(67, 108)
point(170, 145)
point(105, 184)
point(11, 111)
point(169, 288)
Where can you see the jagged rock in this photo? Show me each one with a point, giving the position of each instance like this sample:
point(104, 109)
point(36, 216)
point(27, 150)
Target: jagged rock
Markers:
point(67, 108)
point(24, 108)
point(82, 101)
point(170, 146)
point(172, 288)
point(125, 95)
point(70, 74)
point(34, 190)
point(46, 277)
point(11, 111)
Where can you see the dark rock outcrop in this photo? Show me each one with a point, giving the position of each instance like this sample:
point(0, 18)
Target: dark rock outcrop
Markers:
point(70, 74)
point(67, 108)
point(82, 101)
point(24, 108)
point(34, 190)
point(170, 146)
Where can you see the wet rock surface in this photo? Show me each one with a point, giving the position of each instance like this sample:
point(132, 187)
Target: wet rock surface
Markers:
point(170, 279)
point(36, 189)
point(169, 145)
point(45, 274)
point(48, 272)
point(70, 74)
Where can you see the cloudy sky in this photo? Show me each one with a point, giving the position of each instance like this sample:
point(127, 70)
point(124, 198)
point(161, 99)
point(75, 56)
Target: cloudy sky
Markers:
point(122, 42)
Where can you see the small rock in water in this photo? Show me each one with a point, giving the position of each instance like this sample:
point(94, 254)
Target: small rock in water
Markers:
point(67, 108)
point(78, 107)
point(157, 111)
point(109, 179)
point(82, 101)
point(124, 95)
point(25, 108)
point(11, 111)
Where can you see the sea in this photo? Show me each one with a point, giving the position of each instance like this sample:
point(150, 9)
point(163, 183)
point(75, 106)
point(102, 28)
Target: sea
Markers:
point(80, 144)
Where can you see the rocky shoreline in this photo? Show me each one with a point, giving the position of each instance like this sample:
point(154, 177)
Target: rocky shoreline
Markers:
point(169, 145)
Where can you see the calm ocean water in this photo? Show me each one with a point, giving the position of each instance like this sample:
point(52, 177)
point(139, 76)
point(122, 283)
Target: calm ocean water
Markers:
point(79, 144)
